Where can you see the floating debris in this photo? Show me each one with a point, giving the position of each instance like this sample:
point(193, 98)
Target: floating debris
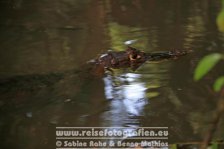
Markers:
point(67, 100)
point(29, 114)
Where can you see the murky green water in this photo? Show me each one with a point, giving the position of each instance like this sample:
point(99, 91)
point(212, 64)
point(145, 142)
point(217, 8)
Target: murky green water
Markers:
point(43, 84)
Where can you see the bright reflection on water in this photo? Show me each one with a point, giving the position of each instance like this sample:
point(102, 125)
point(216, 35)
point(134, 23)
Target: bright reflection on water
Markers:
point(128, 99)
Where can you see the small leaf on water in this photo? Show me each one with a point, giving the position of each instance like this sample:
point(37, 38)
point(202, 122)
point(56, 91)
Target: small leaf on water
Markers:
point(206, 64)
point(214, 146)
point(219, 83)
point(173, 146)
point(220, 19)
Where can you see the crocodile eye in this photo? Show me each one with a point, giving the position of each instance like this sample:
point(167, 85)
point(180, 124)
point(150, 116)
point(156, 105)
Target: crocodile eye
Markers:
point(133, 57)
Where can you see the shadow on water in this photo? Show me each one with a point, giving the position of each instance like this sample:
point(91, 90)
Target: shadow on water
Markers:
point(44, 81)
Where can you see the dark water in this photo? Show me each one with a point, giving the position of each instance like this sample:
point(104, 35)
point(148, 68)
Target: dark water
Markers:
point(45, 43)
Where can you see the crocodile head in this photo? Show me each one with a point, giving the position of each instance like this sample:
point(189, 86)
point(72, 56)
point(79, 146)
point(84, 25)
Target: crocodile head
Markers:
point(131, 57)
point(136, 57)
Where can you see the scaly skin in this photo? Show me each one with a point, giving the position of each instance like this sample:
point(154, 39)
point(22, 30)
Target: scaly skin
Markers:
point(133, 58)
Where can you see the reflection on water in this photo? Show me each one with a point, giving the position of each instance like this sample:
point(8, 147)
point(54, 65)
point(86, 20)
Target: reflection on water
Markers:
point(44, 82)
point(128, 100)
point(195, 28)
point(120, 34)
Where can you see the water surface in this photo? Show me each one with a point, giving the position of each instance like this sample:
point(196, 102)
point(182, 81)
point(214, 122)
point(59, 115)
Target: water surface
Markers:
point(43, 84)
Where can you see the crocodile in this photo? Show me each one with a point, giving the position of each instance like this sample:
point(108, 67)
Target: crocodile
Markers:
point(70, 83)
point(133, 58)
point(130, 58)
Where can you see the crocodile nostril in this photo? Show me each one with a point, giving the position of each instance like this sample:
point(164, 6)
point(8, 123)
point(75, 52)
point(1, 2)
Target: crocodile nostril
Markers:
point(113, 61)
